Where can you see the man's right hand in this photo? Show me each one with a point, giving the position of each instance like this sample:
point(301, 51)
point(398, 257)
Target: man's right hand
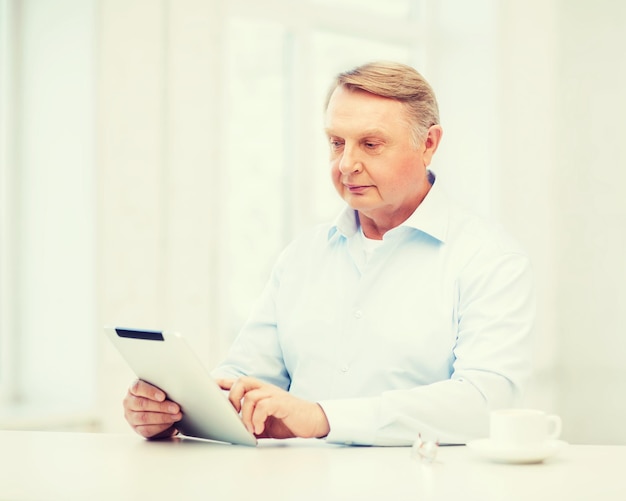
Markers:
point(148, 411)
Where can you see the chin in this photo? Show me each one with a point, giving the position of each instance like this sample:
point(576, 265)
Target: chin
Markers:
point(357, 204)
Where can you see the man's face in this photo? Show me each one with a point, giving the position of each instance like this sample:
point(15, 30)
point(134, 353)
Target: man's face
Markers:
point(375, 167)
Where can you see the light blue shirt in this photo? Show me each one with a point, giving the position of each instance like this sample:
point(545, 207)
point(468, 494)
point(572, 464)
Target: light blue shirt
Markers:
point(426, 335)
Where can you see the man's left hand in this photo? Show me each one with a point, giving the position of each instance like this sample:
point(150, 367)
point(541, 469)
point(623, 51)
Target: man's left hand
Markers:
point(270, 412)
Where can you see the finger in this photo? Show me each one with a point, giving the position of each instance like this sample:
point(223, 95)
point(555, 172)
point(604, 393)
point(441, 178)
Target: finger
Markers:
point(262, 410)
point(133, 403)
point(225, 384)
point(239, 388)
point(140, 411)
point(156, 431)
point(250, 401)
point(146, 418)
point(140, 388)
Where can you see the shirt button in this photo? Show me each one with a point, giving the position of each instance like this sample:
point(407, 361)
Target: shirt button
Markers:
point(358, 314)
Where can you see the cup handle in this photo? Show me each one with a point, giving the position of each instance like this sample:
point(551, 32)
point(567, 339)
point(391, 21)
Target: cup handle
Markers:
point(554, 422)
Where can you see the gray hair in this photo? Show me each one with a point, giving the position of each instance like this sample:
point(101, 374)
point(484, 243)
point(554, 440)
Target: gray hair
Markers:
point(399, 82)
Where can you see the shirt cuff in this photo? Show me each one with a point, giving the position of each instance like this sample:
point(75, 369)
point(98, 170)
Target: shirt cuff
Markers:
point(352, 421)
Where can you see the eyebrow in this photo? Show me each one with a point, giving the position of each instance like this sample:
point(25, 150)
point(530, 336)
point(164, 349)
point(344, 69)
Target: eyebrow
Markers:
point(367, 132)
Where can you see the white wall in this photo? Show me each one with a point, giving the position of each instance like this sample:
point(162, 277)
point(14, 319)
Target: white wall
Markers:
point(159, 142)
point(562, 190)
point(525, 180)
point(590, 210)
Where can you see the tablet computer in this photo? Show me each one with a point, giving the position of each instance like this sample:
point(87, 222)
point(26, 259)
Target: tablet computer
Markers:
point(165, 360)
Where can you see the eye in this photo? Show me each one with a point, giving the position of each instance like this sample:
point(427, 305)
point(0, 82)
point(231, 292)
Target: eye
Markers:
point(371, 145)
point(335, 143)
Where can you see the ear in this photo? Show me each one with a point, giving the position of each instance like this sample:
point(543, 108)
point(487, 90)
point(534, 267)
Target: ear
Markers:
point(431, 143)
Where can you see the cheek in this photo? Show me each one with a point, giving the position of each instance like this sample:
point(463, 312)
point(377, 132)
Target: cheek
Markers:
point(335, 173)
point(407, 175)
point(392, 184)
point(334, 161)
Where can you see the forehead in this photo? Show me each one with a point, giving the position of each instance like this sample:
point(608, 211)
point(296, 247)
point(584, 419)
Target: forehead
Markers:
point(354, 109)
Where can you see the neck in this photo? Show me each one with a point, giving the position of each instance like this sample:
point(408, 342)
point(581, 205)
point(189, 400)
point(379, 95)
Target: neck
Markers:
point(377, 222)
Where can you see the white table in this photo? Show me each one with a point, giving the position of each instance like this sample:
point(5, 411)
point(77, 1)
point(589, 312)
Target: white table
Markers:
point(77, 466)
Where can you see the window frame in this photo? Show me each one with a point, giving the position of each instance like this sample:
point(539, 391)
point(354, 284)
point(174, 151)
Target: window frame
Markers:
point(7, 122)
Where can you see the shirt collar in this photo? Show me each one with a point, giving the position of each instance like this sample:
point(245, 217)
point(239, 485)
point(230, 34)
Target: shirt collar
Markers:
point(430, 217)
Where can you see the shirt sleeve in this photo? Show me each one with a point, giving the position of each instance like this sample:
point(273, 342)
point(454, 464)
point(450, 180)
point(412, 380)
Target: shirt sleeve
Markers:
point(495, 311)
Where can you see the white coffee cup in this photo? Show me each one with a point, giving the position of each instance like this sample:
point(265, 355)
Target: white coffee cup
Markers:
point(523, 427)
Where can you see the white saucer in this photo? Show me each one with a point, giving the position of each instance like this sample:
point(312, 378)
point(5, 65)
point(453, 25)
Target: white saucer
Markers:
point(519, 455)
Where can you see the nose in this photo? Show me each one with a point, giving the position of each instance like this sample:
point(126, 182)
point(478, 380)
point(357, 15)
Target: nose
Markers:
point(350, 162)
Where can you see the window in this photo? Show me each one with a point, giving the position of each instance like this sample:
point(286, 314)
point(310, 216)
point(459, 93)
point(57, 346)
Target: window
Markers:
point(206, 111)
point(47, 207)
point(279, 64)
